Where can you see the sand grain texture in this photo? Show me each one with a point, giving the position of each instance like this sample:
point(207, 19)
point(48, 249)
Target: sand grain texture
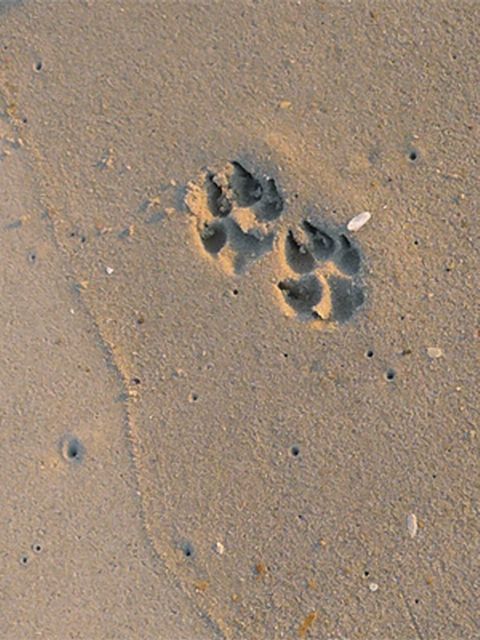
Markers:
point(212, 416)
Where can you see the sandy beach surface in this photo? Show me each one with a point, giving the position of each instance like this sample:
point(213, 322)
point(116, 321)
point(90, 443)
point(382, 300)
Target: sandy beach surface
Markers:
point(232, 407)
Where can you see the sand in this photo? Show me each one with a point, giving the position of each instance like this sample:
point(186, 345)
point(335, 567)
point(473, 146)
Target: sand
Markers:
point(225, 413)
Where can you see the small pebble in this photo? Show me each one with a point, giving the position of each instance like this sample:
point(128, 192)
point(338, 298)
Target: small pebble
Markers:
point(434, 352)
point(412, 524)
point(358, 221)
point(109, 270)
point(373, 586)
point(219, 548)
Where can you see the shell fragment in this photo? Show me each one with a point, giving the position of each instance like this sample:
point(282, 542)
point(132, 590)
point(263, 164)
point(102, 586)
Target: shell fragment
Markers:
point(412, 524)
point(358, 221)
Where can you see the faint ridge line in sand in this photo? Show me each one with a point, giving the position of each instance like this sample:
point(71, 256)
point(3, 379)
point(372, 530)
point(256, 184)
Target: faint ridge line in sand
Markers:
point(411, 615)
point(126, 397)
point(113, 363)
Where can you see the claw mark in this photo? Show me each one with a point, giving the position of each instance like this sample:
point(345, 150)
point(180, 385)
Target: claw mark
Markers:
point(218, 202)
point(246, 188)
point(323, 244)
point(270, 206)
point(349, 258)
point(298, 256)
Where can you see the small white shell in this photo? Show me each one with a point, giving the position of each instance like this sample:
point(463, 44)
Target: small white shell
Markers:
point(219, 548)
point(358, 221)
point(412, 524)
point(434, 352)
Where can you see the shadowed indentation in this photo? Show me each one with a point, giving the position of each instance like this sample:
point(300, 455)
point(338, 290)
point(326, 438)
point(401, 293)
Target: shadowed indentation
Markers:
point(72, 449)
point(348, 257)
point(346, 297)
point(187, 549)
point(246, 188)
point(270, 206)
point(213, 237)
point(303, 294)
point(218, 203)
point(297, 255)
point(248, 245)
point(323, 244)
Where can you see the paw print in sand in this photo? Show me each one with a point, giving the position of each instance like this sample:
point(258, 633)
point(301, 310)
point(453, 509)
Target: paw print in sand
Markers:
point(235, 214)
point(321, 273)
point(236, 217)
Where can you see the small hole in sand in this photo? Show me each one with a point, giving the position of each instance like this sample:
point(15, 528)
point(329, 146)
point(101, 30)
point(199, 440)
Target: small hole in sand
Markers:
point(37, 548)
point(72, 449)
point(38, 66)
point(390, 374)
point(413, 156)
point(187, 549)
point(24, 560)
point(295, 451)
point(369, 354)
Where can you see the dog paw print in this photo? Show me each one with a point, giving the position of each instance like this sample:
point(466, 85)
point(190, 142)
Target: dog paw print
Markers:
point(235, 214)
point(321, 271)
point(236, 219)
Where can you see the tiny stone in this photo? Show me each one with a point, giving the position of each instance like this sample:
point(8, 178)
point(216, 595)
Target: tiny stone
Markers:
point(358, 221)
point(219, 548)
point(109, 270)
point(412, 524)
point(373, 586)
point(434, 352)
